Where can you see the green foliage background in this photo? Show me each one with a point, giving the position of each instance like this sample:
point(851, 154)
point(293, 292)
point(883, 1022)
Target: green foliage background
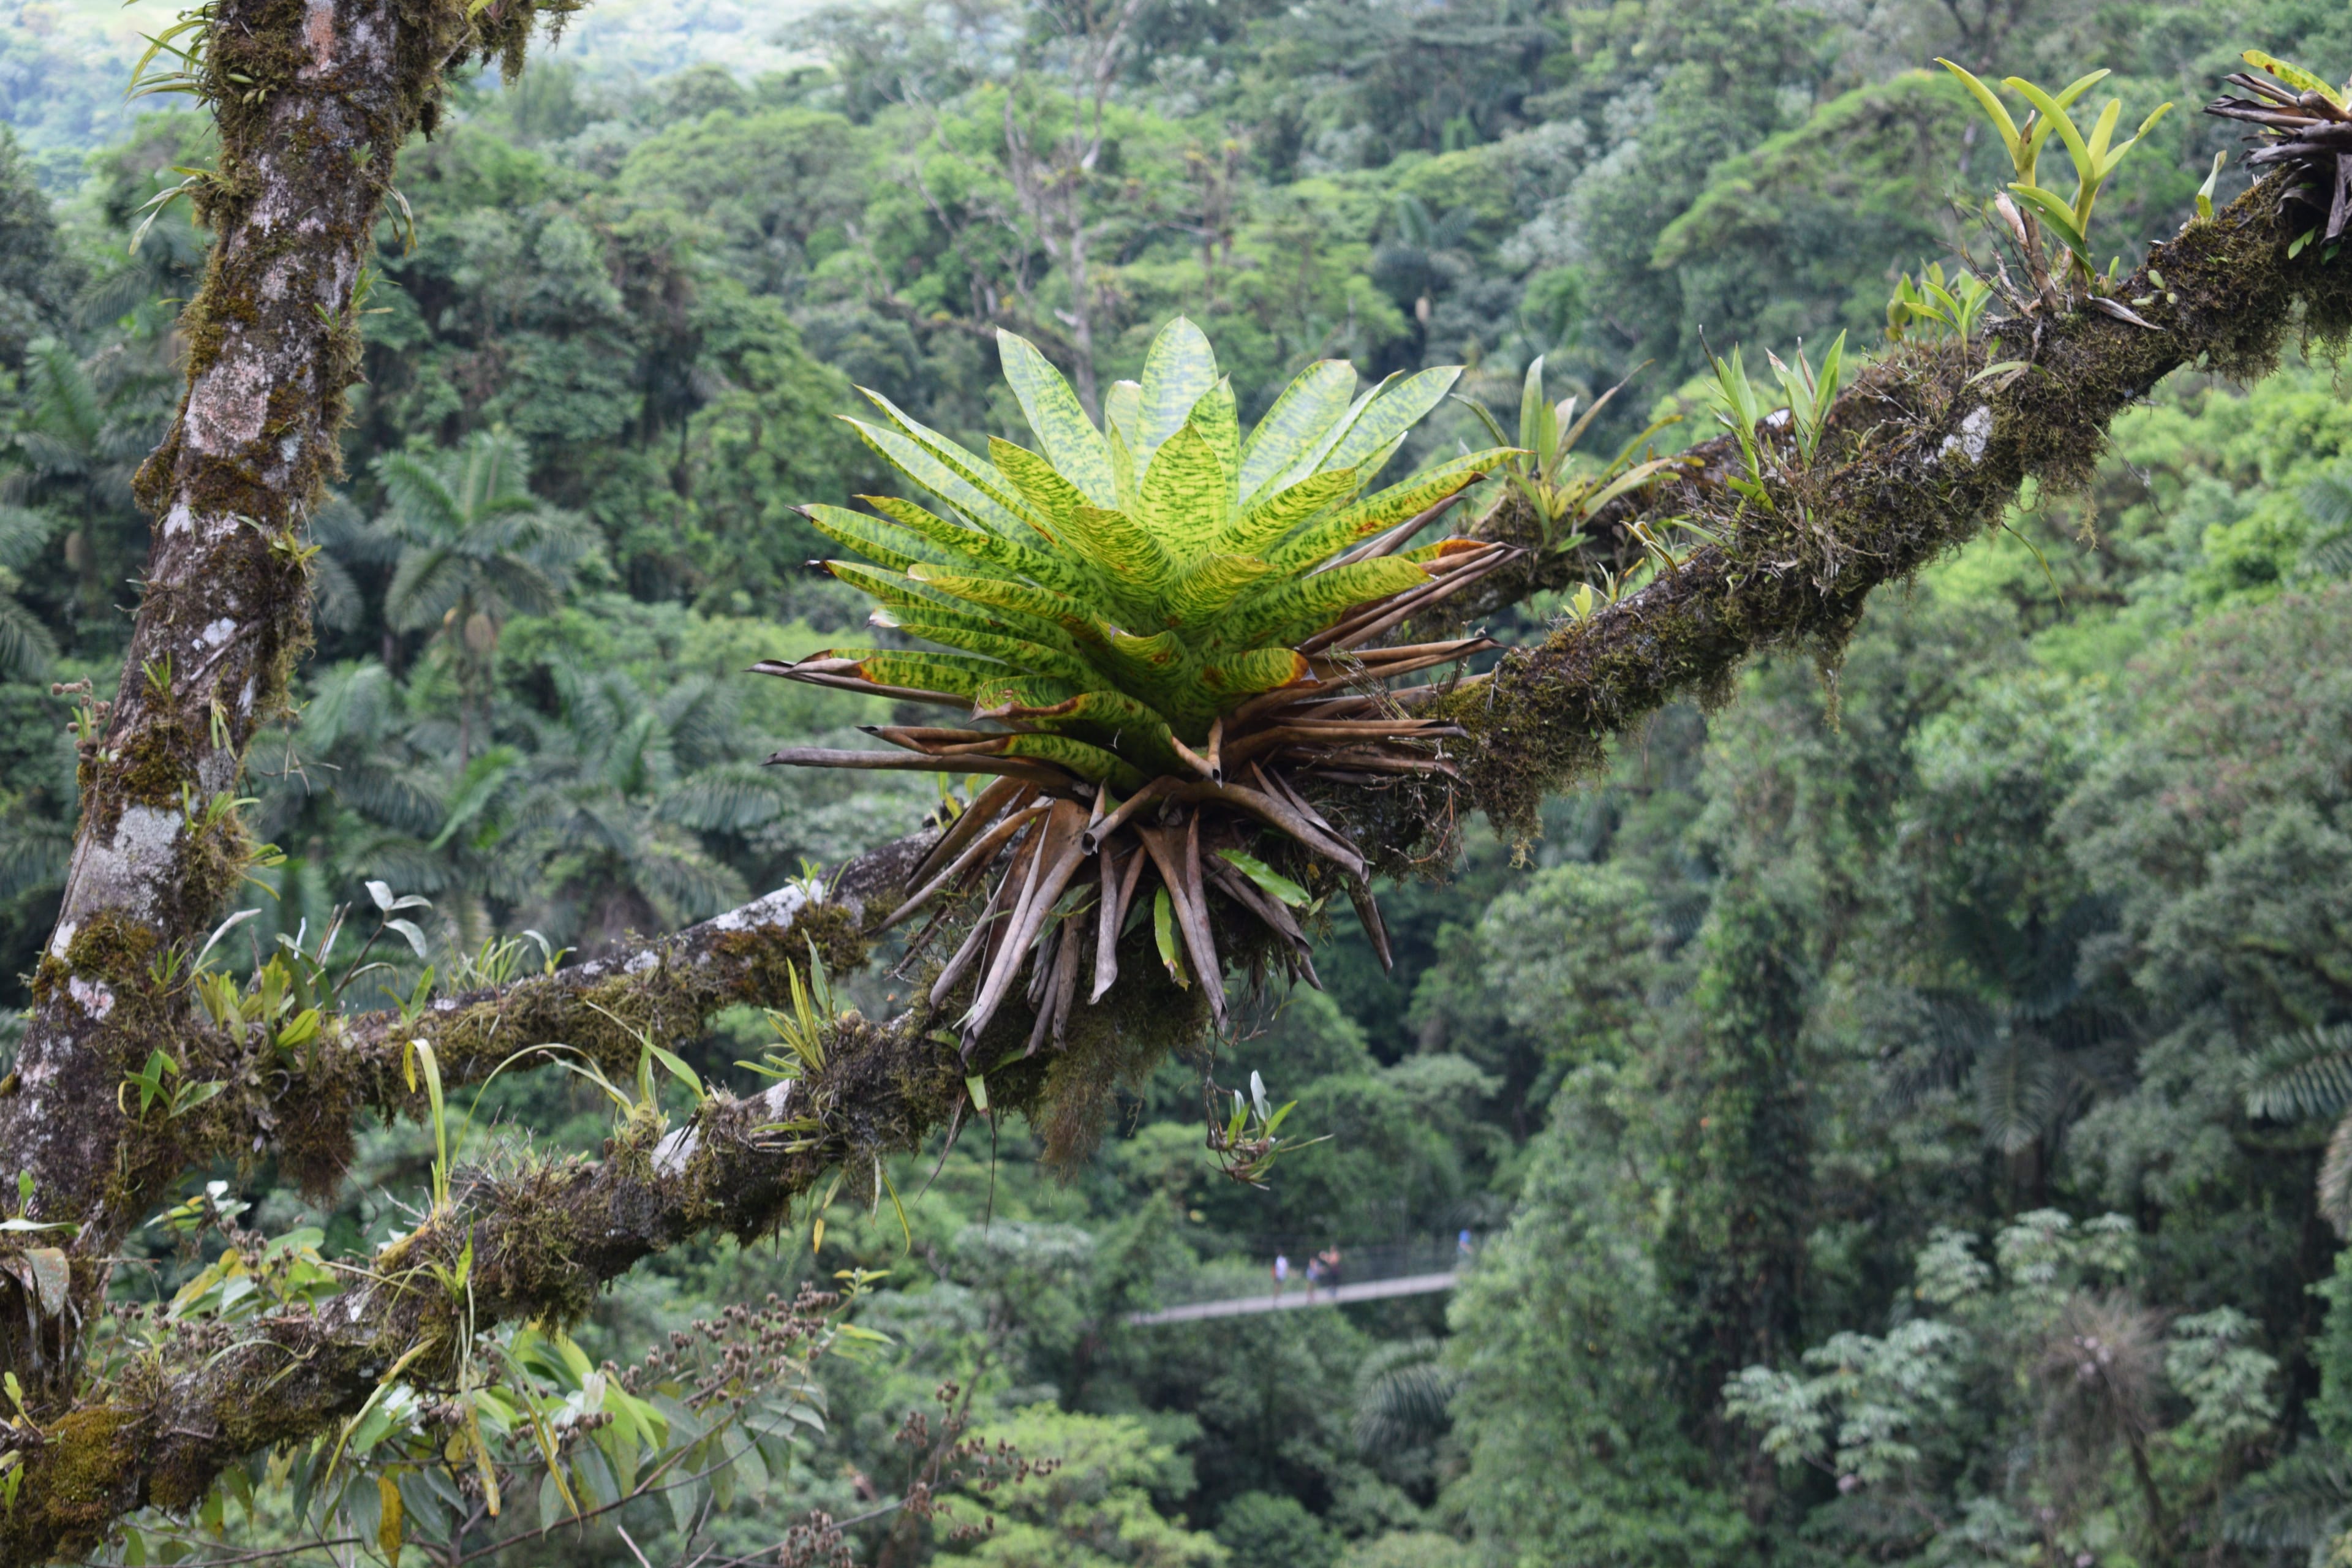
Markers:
point(1863, 1047)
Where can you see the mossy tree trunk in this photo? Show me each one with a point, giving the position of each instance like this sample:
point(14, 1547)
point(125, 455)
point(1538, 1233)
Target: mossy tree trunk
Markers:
point(314, 99)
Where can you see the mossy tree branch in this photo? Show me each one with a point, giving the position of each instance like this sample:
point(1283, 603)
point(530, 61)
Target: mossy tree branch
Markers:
point(1921, 456)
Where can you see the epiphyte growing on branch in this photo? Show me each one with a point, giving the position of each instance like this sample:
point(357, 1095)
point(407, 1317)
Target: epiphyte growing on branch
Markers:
point(1161, 631)
point(1542, 469)
point(2306, 128)
point(2037, 206)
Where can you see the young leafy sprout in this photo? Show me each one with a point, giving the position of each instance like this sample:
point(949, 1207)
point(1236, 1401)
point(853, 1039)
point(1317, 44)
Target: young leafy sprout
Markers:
point(2094, 157)
point(1158, 631)
point(1948, 308)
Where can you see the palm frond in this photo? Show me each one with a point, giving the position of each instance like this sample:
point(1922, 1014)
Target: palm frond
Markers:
point(23, 530)
point(34, 854)
point(425, 586)
point(424, 508)
point(2301, 1075)
point(729, 799)
point(27, 648)
point(1404, 1393)
point(2297, 1504)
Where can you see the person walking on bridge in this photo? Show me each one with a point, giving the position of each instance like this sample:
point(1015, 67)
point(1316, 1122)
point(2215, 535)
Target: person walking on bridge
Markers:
point(1281, 1273)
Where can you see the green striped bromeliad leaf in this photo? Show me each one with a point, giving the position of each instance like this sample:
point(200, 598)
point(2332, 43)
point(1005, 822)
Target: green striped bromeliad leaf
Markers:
point(1122, 460)
point(1210, 586)
point(1133, 728)
point(962, 625)
point(951, 675)
point(1122, 411)
point(920, 464)
point(1178, 370)
point(980, 552)
point(1440, 551)
point(1088, 761)
point(967, 465)
point(1260, 669)
point(1396, 410)
point(1072, 442)
point(1301, 608)
point(974, 634)
point(1351, 525)
point(886, 542)
point(895, 589)
point(1219, 423)
point(1278, 514)
point(1315, 457)
point(1369, 468)
point(1134, 571)
point(1186, 496)
point(1300, 417)
point(1159, 670)
point(999, 594)
point(1040, 485)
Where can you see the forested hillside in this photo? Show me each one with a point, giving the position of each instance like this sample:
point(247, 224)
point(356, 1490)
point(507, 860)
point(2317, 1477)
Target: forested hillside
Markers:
point(1897, 1103)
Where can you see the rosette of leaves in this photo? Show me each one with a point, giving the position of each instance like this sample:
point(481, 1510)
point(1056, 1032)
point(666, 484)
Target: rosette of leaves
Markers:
point(1158, 634)
point(2306, 128)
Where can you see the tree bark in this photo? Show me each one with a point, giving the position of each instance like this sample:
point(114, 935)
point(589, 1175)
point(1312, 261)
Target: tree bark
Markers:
point(313, 100)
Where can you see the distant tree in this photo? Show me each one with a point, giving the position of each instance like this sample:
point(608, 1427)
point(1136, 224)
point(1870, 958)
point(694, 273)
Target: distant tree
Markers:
point(473, 548)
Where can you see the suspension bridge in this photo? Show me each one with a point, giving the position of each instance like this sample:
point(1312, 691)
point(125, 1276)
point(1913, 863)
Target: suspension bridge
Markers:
point(1420, 1266)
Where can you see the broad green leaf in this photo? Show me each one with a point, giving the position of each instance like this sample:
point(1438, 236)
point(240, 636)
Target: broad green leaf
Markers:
point(1210, 585)
point(1186, 496)
point(1532, 409)
point(1995, 110)
point(1039, 484)
point(1316, 456)
point(973, 634)
point(1090, 762)
point(1393, 413)
point(1260, 669)
point(895, 589)
point(1219, 424)
point(1177, 371)
point(969, 466)
point(2054, 117)
point(1162, 672)
point(1273, 882)
point(2103, 131)
point(2053, 211)
point(1121, 723)
point(923, 465)
point(1382, 510)
point(978, 548)
point(1122, 463)
point(1299, 418)
point(1122, 411)
point(1284, 510)
point(927, 619)
point(1299, 609)
point(999, 594)
point(1124, 554)
point(945, 674)
point(1070, 439)
point(1163, 935)
point(886, 542)
point(2294, 76)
